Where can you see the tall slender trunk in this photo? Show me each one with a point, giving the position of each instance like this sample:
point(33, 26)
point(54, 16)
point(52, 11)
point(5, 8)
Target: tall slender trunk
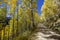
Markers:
point(17, 32)
point(4, 22)
point(32, 14)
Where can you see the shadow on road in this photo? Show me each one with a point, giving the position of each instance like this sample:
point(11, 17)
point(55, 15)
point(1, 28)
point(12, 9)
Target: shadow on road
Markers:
point(53, 37)
point(43, 33)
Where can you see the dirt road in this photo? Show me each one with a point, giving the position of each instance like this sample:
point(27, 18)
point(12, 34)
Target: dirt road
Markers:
point(43, 33)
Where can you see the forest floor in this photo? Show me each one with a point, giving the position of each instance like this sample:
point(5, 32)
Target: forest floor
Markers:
point(43, 33)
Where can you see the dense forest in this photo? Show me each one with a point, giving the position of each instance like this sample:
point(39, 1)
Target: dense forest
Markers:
point(51, 14)
point(17, 17)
